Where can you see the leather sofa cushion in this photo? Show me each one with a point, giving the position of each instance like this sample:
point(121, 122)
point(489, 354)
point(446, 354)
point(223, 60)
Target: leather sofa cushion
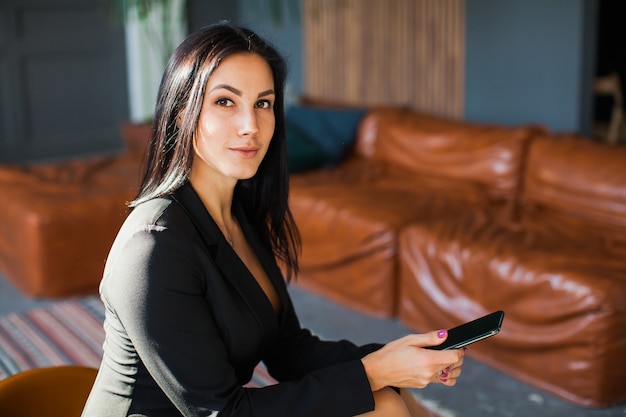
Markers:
point(561, 284)
point(575, 176)
point(488, 155)
point(359, 201)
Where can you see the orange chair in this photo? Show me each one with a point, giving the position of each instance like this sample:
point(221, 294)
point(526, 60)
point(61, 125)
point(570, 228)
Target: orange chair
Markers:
point(46, 392)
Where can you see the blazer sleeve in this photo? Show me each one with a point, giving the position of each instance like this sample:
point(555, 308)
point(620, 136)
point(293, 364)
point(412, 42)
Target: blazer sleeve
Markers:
point(297, 352)
point(156, 287)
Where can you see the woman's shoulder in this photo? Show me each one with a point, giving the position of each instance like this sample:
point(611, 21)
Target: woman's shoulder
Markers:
point(150, 211)
point(158, 213)
point(156, 220)
point(156, 232)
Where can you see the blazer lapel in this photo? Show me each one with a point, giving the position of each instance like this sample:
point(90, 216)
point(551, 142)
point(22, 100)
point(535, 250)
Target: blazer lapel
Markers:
point(232, 268)
point(265, 256)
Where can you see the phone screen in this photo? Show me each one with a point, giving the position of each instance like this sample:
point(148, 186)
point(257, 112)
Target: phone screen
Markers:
point(472, 331)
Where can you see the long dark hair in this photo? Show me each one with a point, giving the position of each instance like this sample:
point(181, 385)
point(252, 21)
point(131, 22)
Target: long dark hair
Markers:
point(175, 122)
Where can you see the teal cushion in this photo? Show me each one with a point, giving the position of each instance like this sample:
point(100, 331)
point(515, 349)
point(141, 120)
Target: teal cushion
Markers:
point(319, 137)
point(302, 153)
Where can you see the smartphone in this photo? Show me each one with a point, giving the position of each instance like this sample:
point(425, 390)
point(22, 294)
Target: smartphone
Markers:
point(472, 331)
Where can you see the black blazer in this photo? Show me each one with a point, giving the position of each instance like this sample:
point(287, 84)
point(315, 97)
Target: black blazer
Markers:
point(186, 323)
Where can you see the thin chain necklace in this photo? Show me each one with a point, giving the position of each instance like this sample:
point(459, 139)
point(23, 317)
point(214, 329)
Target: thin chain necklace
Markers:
point(227, 235)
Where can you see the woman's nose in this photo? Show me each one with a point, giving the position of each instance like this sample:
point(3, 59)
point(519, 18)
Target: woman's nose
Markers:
point(248, 123)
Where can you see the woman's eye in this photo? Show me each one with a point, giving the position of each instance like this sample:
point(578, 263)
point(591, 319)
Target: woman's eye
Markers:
point(264, 104)
point(224, 102)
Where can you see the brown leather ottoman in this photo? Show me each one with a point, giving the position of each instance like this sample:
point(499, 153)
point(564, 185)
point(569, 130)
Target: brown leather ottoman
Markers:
point(58, 221)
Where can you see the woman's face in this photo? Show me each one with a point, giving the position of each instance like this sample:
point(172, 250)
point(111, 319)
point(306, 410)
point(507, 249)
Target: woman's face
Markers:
point(236, 122)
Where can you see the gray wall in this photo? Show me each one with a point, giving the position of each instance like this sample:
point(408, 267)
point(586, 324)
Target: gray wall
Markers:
point(530, 61)
point(286, 35)
point(62, 80)
point(203, 12)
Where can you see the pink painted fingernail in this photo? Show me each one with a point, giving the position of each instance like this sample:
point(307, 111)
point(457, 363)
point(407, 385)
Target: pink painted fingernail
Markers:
point(442, 333)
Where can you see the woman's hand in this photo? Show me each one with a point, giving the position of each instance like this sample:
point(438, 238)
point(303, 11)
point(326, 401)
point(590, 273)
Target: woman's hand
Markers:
point(403, 363)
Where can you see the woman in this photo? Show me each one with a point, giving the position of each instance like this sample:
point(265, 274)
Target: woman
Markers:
point(193, 296)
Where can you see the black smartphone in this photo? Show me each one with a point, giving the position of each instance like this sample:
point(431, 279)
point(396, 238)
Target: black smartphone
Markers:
point(472, 331)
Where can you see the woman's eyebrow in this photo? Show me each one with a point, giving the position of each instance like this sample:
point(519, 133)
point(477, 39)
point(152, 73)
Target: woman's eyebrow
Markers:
point(238, 92)
point(227, 87)
point(266, 93)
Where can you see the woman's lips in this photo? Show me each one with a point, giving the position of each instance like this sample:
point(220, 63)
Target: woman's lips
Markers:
point(246, 152)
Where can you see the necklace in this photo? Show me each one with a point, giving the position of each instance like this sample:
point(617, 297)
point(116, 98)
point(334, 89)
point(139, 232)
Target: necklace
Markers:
point(227, 235)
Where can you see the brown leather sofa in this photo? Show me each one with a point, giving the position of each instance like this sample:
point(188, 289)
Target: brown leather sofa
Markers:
point(437, 222)
point(58, 221)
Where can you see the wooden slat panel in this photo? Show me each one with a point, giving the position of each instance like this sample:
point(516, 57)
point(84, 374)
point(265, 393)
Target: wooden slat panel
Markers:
point(372, 52)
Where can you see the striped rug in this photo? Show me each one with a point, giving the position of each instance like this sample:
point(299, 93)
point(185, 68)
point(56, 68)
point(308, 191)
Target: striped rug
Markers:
point(65, 333)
